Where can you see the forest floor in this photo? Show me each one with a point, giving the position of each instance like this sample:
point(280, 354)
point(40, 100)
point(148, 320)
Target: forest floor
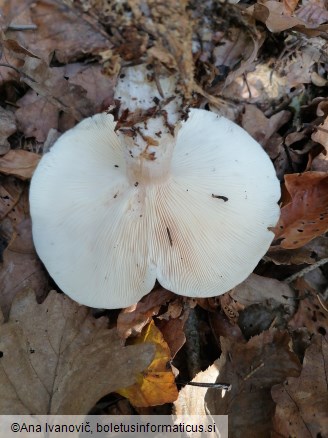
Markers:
point(262, 64)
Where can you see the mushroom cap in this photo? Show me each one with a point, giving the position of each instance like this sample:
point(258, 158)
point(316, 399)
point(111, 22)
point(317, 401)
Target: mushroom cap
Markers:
point(105, 238)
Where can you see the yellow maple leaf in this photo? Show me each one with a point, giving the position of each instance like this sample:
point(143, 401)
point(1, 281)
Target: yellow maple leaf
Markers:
point(156, 385)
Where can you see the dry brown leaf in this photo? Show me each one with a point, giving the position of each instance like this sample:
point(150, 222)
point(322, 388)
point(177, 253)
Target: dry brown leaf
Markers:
point(156, 384)
point(36, 116)
point(7, 127)
point(133, 319)
point(302, 401)
point(260, 127)
point(10, 192)
point(252, 369)
point(321, 135)
point(290, 5)
point(310, 313)
point(313, 14)
point(99, 87)
point(230, 307)
point(173, 333)
point(277, 18)
point(273, 14)
point(222, 327)
point(248, 63)
point(171, 324)
point(20, 268)
point(256, 289)
point(191, 400)
point(306, 215)
point(60, 29)
point(19, 163)
point(298, 256)
point(57, 359)
point(50, 84)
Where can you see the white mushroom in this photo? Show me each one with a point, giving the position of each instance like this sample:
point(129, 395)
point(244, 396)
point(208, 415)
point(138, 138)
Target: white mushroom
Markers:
point(112, 213)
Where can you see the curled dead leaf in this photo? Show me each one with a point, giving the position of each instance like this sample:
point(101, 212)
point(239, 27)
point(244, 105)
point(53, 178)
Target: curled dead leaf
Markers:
point(19, 163)
point(302, 401)
point(156, 385)
point(306, 215)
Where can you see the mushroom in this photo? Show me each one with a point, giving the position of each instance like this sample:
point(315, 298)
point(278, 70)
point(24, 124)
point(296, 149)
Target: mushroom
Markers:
point(114, 211)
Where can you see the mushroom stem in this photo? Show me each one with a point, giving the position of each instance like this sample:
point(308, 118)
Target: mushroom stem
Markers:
point(148, 154)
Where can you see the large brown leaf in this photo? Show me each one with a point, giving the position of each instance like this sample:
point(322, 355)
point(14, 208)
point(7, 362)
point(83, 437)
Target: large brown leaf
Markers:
point(306, 215)
point(252, 369)
point(57, 359)
point(302, 401)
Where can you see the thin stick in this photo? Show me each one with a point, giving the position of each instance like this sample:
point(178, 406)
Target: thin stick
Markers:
point(225, 386)
point(304, 271)
point(321, 303)
point(22, 27)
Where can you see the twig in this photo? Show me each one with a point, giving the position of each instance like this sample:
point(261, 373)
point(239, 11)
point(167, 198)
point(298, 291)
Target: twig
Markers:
point(253, 371)
point(321, 303)
point(304, 271)
point(18, 71)
point(217, 385)
point(22, 27)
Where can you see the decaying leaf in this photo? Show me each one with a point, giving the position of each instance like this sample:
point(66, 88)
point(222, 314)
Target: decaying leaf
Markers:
point(155, 385)
point(51, 85)
point(10, 191)
point(256, 289)
point(306, 215)
point(191, 400)
point(302, 401)
point(19, 163)
point(133, 319)
point(311, 313)
point(7, 127)
point(59, 29)
point(252, 369)
point(260, 127)
point(36, 116)
point(57, 359)
point(321, 135)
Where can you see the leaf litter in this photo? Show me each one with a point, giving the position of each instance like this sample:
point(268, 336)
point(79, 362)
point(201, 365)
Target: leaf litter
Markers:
point(264, 65)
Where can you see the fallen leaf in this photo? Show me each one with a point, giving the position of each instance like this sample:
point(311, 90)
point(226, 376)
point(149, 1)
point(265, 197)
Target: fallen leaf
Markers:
point(20, 267)
point(310, 313)
point(36, 116)
point(321, 134)
point(10, 192)
point(274, 15)
point(306, 215)
point(221, 326)
point(7, 128)
point(60, 29)
point(19, 163)
point(297, 256)
point(313, 14)
point(259, 126)
point(302, 401)
point(171, 324)
point(57, 359)
point(50, 84)
point(256, 289)
point(173, 333)
point(155, 385)
point(133, 319)
point(191, 400)
point(290, 5)
point(252, 369)
point(278, 18)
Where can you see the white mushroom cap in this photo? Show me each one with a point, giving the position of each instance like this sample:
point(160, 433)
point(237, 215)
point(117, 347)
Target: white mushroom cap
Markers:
point(108, 220)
